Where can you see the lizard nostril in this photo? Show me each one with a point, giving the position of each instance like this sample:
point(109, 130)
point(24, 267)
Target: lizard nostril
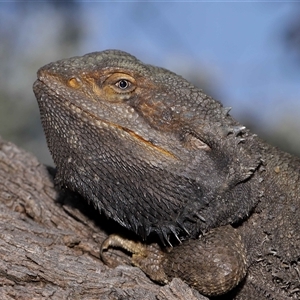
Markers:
point(74, 82)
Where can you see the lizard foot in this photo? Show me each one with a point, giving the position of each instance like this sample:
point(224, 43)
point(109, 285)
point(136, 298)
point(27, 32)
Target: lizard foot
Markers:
point(213, 264)
point(149, 258)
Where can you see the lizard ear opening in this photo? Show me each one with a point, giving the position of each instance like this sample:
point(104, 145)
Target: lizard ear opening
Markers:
point(193, 142)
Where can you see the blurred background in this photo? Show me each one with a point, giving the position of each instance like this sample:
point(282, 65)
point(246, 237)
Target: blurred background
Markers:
point(245, 54)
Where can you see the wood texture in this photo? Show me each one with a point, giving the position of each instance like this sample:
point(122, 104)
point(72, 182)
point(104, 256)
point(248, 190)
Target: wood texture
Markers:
point(49, 245)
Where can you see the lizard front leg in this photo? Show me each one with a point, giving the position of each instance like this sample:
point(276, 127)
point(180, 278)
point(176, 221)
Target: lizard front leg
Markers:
point(213, 264)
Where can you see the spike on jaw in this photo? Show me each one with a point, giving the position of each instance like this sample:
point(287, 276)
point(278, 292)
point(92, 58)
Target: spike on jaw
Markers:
point(226, 110)
point(144, 232)
point(236, 130)
point(183, 228)
point(173, 230)
point(241, 141)
point(200, 217)
point(164, 237)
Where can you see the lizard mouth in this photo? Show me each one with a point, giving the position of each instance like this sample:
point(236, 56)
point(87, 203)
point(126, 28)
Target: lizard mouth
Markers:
point(41, 88)
point(136, 136)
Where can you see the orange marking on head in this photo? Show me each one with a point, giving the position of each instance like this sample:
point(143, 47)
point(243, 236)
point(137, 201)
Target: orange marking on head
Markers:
point(74, 83)
point(148, 143)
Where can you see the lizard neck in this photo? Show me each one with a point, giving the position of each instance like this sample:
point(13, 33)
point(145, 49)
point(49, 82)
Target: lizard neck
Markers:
point(281, 176)
point(278, 189)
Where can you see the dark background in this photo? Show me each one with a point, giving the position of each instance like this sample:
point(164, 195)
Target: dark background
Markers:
point(247, 55)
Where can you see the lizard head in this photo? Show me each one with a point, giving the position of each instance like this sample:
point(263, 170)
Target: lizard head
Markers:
point(145, 146)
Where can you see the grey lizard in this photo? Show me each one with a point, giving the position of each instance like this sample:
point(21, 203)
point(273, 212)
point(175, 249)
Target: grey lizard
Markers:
point(160, 157)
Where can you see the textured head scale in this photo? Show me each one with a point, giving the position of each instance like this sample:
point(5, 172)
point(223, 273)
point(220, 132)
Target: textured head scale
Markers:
point(145, 146)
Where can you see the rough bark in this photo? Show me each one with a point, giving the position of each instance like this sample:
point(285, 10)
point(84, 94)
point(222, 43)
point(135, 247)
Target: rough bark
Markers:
point(49, 245)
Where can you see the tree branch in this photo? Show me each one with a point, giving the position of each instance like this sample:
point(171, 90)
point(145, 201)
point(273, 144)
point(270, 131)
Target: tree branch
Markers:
point(49, 246)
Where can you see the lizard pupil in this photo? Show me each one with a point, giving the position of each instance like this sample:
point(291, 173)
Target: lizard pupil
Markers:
point(123, 84)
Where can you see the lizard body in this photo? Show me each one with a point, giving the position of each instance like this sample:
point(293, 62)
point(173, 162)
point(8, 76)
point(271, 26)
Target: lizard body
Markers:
point(157, 155)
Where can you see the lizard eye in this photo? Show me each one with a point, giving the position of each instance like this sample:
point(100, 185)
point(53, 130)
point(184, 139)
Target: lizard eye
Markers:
point(123, 84)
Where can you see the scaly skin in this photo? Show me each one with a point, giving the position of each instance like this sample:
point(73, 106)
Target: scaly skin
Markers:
point(157, 155)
